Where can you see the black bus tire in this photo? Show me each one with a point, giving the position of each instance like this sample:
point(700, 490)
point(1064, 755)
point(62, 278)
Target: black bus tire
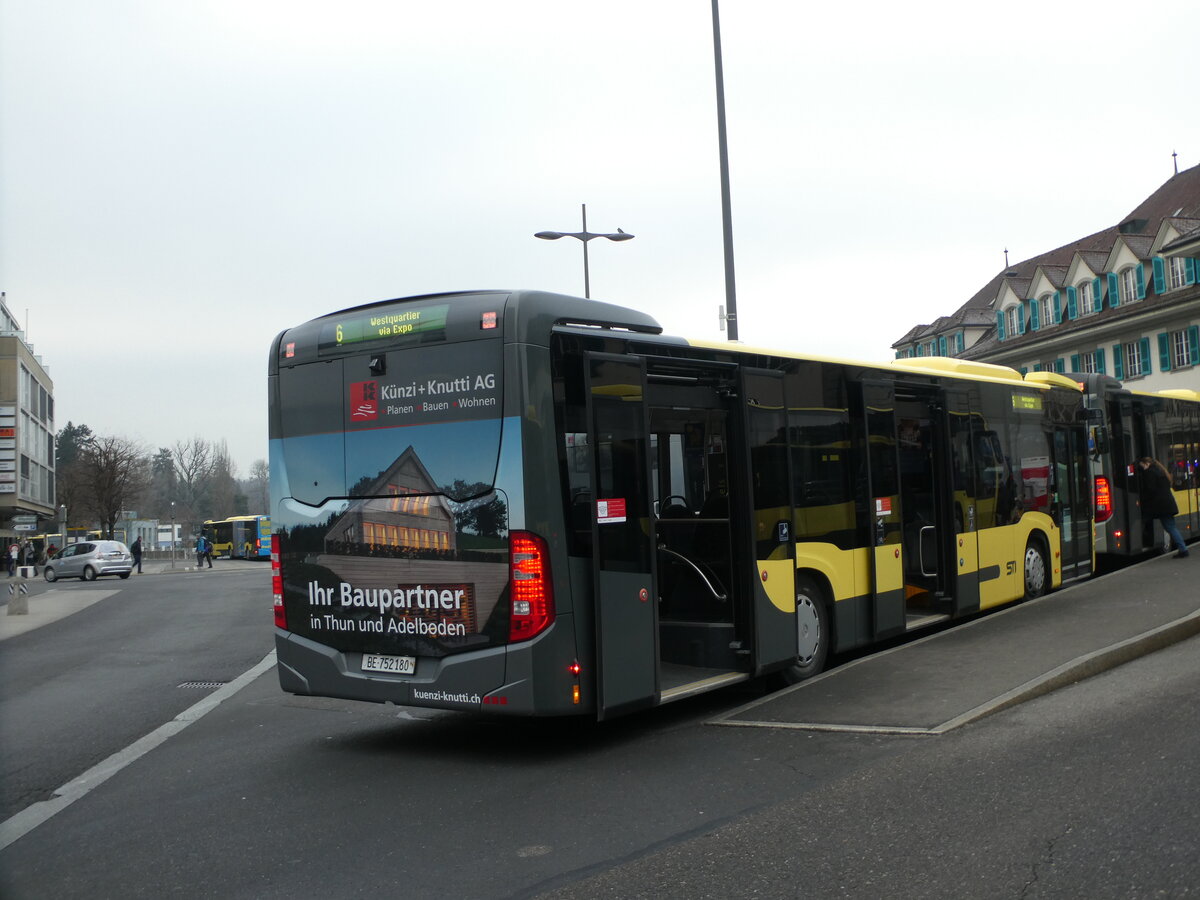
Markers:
point(813, 632)
point(1036, 571)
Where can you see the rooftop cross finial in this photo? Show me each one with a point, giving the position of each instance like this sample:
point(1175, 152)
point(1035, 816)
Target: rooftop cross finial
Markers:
point(1006, 259)
point(1175, 159)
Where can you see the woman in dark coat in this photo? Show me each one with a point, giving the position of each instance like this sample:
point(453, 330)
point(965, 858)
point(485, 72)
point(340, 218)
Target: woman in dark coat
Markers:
point(1158, 502)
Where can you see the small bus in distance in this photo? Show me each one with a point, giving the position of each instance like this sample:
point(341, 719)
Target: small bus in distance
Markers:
point(240, 537)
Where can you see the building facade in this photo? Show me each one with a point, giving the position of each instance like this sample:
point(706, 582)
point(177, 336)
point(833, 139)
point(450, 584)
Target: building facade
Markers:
point(26, 434)
point(1124, 301)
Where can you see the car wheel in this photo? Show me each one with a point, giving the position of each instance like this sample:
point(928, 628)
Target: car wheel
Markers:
point(49, 575)
point(1036, 579)
point(813, 633)
point(126, 574)
point(89, 574)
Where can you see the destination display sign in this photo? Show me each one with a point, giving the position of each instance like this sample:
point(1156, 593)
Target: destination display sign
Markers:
point(398, 326)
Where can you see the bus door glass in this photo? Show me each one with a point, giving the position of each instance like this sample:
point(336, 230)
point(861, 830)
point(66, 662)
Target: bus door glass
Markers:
point(1072, 500)
point(961, 420)
point(883, 512)
point(926, 499)
point(773, 587)
point(626, 615)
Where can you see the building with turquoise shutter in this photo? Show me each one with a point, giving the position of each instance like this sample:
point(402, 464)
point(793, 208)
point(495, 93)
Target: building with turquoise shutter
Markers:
point(1124, 301)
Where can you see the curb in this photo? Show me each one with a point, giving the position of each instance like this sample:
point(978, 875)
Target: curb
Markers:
point(1081, 668)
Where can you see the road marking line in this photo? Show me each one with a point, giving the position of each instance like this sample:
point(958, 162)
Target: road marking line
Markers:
point(31, 817)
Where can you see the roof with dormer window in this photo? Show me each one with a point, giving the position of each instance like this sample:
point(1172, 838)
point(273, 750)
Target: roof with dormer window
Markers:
point(1177, 199)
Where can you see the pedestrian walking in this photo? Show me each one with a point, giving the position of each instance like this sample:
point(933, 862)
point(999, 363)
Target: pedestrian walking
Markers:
point(208, 550)
point(136, 550)
point(1158, 502)
point(200, 542)
point(13, 549)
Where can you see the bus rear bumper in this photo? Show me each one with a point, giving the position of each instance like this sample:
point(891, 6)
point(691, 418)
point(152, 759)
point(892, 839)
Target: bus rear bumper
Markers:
point(454, 682)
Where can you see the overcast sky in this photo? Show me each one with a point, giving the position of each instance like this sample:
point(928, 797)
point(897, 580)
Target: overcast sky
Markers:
point(183, 180)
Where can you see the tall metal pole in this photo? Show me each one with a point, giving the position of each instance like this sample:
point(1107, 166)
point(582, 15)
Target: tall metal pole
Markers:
point(587, 285)
point(726, 217)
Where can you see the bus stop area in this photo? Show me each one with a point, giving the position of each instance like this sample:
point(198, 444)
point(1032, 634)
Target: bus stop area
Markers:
point(934, 684)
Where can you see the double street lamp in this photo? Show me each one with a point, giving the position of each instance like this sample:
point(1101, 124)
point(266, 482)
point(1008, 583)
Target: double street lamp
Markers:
point(584, 236)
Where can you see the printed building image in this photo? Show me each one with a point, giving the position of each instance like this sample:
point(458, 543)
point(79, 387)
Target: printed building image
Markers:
point(414, 518)
point(1124, 301)
point(27, 486)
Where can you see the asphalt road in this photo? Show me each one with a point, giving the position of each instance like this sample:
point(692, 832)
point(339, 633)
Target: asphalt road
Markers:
point(1090, 791)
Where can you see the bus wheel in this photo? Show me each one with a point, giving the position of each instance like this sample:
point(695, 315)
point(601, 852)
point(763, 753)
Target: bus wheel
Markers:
point(812, 632)
point(1035, 570)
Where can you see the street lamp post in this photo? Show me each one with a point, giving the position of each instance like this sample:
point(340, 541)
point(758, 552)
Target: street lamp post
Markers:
point(172, 534)
point(584, 236)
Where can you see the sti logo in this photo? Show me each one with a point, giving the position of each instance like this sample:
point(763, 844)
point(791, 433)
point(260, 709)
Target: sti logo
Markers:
point(364, 401)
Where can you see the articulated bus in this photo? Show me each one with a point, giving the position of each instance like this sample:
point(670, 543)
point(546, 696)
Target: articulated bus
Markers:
point(1125, 425)
point(240, 537)
point(531, 504)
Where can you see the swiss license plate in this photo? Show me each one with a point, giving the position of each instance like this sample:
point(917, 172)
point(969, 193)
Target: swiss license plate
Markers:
point(397, 665)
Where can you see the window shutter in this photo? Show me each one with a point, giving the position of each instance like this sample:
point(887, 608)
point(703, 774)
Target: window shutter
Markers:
point(1194, 345)
point(1059, 367)
point(1021, 317)
point(1189, 271)
point(999, 324)
point(1097, 295)
point(1075, 363)
point(1034, 315)
point(1164, 351)
point(942, 345)
point(1100, 361)
point(1114, 290)
point(1146, 367)
point(1160, 275)
point(959, 343)
point(1057, 307)
point(1118, 362)
point(1072, 303)
point(1140, 274)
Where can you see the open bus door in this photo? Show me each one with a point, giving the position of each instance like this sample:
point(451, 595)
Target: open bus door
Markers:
point(623, 580)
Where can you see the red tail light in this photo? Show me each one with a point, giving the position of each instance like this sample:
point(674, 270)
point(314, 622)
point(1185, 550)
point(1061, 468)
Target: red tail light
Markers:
point(1104, 507)
point(277, 584)
point(532, 597)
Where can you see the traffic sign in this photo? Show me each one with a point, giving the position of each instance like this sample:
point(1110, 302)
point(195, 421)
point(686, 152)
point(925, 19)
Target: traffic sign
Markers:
point(25, 520)
point(25, 526)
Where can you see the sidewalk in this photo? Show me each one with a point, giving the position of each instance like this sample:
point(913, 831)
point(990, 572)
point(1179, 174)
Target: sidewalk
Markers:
point(187, 563)
point(978, 667)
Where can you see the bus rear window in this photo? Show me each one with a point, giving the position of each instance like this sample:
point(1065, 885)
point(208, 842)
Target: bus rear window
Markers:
point(350, 426)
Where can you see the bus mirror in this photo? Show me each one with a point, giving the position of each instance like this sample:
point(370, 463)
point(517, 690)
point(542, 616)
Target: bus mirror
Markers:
point(1099, 440)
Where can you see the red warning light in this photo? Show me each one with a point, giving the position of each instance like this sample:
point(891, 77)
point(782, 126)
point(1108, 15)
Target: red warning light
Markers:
point(488, 320)
point(290, 350)
point(575, 668)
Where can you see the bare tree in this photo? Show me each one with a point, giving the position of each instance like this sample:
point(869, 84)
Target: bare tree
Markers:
point(193, 466)
point(115, 472)
point(258, 487)
point(222, 490)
